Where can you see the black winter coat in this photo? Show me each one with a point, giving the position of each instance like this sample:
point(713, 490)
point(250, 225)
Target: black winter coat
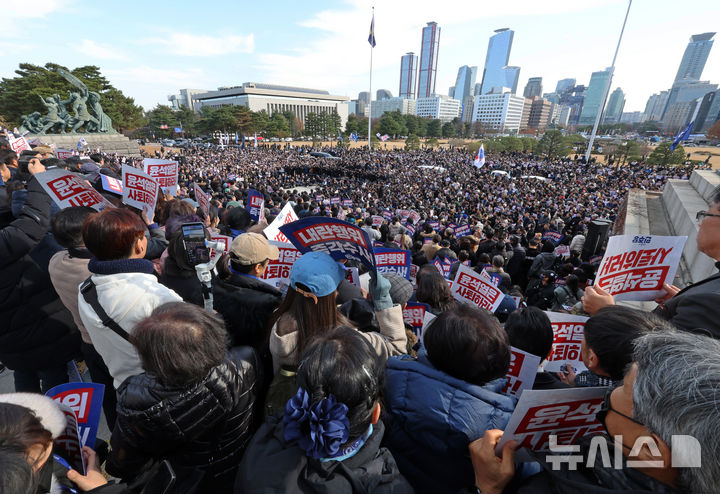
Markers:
point(206, 426)
point(246, 304)
point(273, 466)
point(36, 330)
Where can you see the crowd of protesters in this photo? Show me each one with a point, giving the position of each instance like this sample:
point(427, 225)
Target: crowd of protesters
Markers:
point(322, 387)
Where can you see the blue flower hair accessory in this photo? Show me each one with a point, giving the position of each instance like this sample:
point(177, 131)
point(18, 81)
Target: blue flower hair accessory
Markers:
point(320, 429)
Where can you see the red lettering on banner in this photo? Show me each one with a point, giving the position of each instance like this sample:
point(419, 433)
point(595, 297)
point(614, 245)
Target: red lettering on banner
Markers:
point(638, 279)
point(321, 233)
point(65, 187)
point(79, 400)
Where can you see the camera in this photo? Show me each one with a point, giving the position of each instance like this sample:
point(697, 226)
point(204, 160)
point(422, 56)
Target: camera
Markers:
point(196, 250)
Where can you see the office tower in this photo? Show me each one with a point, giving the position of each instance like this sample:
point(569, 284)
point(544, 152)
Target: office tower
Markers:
point(695, 56)
point(709, 112)
point(464, 89)
point(402, 105)
point(496, 72)
point(408, 75)
point(428, 60)
point(451, 91)
point(501, 111)
point(592, 105)
point(614, 109)
point(439, 107)
point(363, 103)
point(572, 99)
point(655, 107)
point(533, 87)
point(564, 84)
point(687, 90)
point(383, 94)
point(478, 89)
point(539, 116)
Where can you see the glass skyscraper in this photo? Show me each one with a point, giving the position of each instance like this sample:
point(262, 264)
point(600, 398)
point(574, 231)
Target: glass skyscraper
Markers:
point(594, 94)
point(464, 88)
point(533, 87)
point(497, 73)
point(408, 75)
point(428, 60)
point(695, 56)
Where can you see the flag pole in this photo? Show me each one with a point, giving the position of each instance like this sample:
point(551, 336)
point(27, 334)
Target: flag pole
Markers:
point(607, 88)
point(370, 89)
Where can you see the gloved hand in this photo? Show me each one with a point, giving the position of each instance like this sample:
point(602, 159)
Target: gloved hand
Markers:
point(380, 291)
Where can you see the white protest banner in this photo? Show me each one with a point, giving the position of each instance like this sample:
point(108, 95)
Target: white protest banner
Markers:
point(139, 189)
point(67, 189)
point(522, 372)
point(225, 240)
point(568, 414)
point(635, 267)
point(469, 286)
point(413, 274)
point(203, 200)
point(287, 215)
point(18, 144)
point(562, 250)
point(164, 172)
point(377, 220)
point(62, 153)
point(353, 276)
point(568, 332)
point(277, 272)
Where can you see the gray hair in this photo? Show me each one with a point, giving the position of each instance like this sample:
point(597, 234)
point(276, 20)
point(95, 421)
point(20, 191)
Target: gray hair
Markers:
point(677, 392)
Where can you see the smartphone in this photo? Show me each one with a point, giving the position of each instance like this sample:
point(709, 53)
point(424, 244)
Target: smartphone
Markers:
point(194, 237)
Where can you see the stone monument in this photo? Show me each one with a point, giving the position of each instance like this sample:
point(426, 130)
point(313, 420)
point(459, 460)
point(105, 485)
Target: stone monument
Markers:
point(81, 116)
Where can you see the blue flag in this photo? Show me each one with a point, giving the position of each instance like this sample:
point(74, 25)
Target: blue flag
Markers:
point(354, 137)
point(340, 136)
point(682, 136)
point(371, 37)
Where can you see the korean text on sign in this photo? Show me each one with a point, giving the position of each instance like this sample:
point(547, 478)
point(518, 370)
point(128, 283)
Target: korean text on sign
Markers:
point(635, 267)
point(414, 315)
point(393, 261)
point(287, 215)
point(469, 286)
point(568, 332)
point(67, 189)
point(522, 372)
point(568, 414)
point(277, 273)
point(139, 189)
point(164, 172)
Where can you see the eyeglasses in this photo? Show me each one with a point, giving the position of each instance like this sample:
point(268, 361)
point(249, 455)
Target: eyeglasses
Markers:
point(606, 408)
point(702, 214)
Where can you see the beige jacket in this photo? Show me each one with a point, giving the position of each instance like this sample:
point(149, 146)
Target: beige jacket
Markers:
point(66, 273)
point(391, 340)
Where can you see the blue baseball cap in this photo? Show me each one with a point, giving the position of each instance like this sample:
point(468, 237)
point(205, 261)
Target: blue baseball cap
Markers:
point(317, 271)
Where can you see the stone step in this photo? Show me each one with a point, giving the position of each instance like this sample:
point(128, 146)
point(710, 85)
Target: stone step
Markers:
point(682, 201)
point(705, 182)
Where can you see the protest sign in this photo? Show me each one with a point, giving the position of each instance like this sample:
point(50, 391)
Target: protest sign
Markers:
point(139, 189)
point(434, 224)
point(62, 154)
point(353, 276)
point(111, 184)
point(164, 172)
point(414, 315)
point(18, 144)
point(277, 272)
point(414, 216)
point(553, 236)
point(393, 261)
point(443, 266)
point(469, 286)
point(562, 250)
point(203, 200)
point(85, 400)
point(347, 203)
point(522, 372)
point(339, 239)
point(568, 332)
point(413, 274)
point(69, 439)
point(410, 230)
point(287, 215)
point(67, 189)
point(223, 239)
point(334, 201)
point(568, 414)
point(377, 220)
point(635, 267)
point(387, 214)
point(462, 230)
point(256, 205)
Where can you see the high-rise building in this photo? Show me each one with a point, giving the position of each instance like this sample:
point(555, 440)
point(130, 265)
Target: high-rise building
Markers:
point(615, 106)
point(678, 114)
point(709, 112)
point(499, 110)
point(463, 90)
point(694, 58)
point(631, 117)
point(438, 106)
point(408, 76)
point(687, 90)
point(363, 103)
point(564, 84)
point(383, 94)
point(592, 105)
point(402, 105)
point(428, 60)
point(451, 91)
point(478, 89)
point(572, 99)
point(496, 72)
point(533, 87)
point(539, 116)
point(655, 107)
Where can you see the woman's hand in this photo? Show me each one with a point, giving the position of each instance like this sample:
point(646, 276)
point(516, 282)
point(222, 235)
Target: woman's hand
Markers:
point(492, 474)
point(94, 477)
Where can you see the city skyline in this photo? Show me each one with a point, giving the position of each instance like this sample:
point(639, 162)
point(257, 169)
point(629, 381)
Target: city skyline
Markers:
point(323, 45)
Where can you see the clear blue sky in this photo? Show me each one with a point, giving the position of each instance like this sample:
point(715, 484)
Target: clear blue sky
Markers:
point(152, 49)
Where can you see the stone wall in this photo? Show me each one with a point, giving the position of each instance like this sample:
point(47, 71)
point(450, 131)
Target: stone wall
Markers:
point(110, 143)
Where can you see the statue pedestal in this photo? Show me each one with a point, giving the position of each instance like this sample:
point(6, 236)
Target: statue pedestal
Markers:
point(110, 143)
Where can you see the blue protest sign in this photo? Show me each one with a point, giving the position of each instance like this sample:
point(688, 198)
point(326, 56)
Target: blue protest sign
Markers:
point(338, 238)
point(334, 200)
point(414, 315)
point(553, 236)
point(462, 230)
point(85, 399)
point(255, 204)
point(347, 203)
point(387, 214)
point(393, 261)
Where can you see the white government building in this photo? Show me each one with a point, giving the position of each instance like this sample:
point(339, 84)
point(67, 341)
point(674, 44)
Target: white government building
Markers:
point(441, 107)
point(275, 98)
point(499, 110)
